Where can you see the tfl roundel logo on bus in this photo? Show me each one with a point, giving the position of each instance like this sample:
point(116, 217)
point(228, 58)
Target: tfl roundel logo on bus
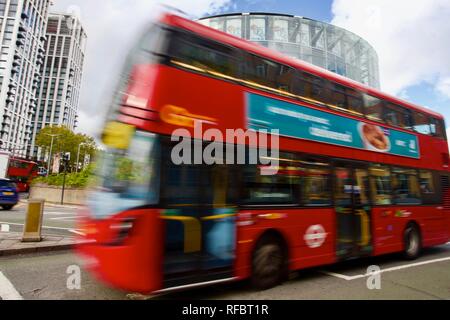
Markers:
point(315, 236)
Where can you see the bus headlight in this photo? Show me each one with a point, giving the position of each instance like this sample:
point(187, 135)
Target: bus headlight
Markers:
point(122, 230)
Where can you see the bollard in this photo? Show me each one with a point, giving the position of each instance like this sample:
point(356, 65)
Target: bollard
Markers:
point(33, 224)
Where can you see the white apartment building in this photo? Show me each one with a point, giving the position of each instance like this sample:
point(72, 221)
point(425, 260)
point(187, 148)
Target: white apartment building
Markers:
point(59, 92)
point(23, 25)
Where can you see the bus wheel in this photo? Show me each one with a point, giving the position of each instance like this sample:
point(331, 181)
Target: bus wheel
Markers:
point(412, 242)
point(7, 207)
point(269, 264)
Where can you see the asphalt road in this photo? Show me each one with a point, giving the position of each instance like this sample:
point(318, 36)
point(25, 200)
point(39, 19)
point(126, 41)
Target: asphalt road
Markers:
point(44, 276)
point(57, 220)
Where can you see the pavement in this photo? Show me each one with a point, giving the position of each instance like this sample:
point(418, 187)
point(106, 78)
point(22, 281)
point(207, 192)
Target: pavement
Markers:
point(11, 244)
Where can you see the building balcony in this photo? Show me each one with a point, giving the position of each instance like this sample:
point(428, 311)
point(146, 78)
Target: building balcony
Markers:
point(20, 43)
point(24, 15)
point(22, 27)
point(17, 57)
point(21, 35)
point(15, 70)
point(7, 119)
point(10, 99)
point(43, 38)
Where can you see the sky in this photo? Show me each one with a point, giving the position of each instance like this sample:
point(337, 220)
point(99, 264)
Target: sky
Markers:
point(410, 37)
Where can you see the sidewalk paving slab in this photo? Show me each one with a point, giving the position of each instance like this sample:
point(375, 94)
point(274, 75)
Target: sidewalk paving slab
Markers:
point(11, 244)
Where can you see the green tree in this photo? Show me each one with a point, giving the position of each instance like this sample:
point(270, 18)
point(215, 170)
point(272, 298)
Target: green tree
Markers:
point(65, 140)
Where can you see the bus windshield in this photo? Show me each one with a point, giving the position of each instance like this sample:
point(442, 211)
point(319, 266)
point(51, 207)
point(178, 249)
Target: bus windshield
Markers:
point(127, 178)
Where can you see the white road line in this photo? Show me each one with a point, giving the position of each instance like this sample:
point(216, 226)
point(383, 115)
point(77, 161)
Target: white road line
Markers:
point(77, 232)
point(406, 266)
point(337, 275)
point(69, 218)
point(58, 213)
point(7, 290)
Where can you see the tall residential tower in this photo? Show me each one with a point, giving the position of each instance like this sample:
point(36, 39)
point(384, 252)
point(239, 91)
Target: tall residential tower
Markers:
point(23, 25)
point(59, 90)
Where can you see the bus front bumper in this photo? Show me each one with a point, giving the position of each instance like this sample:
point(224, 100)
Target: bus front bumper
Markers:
point(134, 263)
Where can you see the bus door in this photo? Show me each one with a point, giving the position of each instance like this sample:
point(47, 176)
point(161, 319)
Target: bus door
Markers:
point(353, 211)
point(200, 228)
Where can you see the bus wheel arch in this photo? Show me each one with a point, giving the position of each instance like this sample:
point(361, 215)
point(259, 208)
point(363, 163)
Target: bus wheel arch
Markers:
point(412, 240)
point(269, 260)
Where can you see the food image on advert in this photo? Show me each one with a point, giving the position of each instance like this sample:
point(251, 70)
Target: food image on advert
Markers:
point(374, 138)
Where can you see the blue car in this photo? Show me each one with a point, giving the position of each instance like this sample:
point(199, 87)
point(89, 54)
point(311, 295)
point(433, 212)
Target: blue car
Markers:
point(9, 196)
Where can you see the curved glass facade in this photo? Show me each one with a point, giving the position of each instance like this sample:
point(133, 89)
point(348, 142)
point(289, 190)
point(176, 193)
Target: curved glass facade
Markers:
point(321, 44)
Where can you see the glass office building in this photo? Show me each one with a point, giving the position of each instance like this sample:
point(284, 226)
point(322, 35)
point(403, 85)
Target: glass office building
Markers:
point(318, 43)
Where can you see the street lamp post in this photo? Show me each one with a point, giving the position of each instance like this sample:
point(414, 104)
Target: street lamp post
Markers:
point(51, 150)
point(78, 154)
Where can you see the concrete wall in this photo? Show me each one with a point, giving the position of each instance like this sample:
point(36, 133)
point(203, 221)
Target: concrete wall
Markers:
point(52, 194)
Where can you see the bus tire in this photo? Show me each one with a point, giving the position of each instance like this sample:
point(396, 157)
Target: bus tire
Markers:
point(7, 207)
point(269, 265)
point(412, 242)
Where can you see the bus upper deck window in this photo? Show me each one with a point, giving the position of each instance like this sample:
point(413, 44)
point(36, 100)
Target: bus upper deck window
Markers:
point(373, 107)
point(337, 98)
point(422, 123)
point(354, 102)
point(286, 79)
point(202, 54)
point(437, 128)
point(398, 116)
point(315, 88)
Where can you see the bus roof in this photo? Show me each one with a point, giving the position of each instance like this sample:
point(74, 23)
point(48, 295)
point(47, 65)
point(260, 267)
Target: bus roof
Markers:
point(226, 38)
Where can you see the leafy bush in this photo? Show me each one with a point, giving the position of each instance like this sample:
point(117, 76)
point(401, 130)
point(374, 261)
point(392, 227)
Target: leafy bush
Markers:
point(73, 180)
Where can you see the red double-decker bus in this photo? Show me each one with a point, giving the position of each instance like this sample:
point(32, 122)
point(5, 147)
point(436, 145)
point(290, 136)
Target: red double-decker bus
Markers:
point(359, 173)
point(22, 172)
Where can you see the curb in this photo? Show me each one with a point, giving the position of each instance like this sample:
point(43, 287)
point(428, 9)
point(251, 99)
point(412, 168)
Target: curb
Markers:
point(54, 205)
point(12, 252)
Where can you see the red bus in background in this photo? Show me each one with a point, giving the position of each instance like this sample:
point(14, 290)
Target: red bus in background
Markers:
point(361, 173)
point(22, 172)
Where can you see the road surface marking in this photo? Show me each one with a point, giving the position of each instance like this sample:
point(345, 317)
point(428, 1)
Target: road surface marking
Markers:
point(406, 266)
point(77, 232)
point(7, 290)
point(337, 275)
point(69, 218)
point(58, 213)
point(4, 228)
